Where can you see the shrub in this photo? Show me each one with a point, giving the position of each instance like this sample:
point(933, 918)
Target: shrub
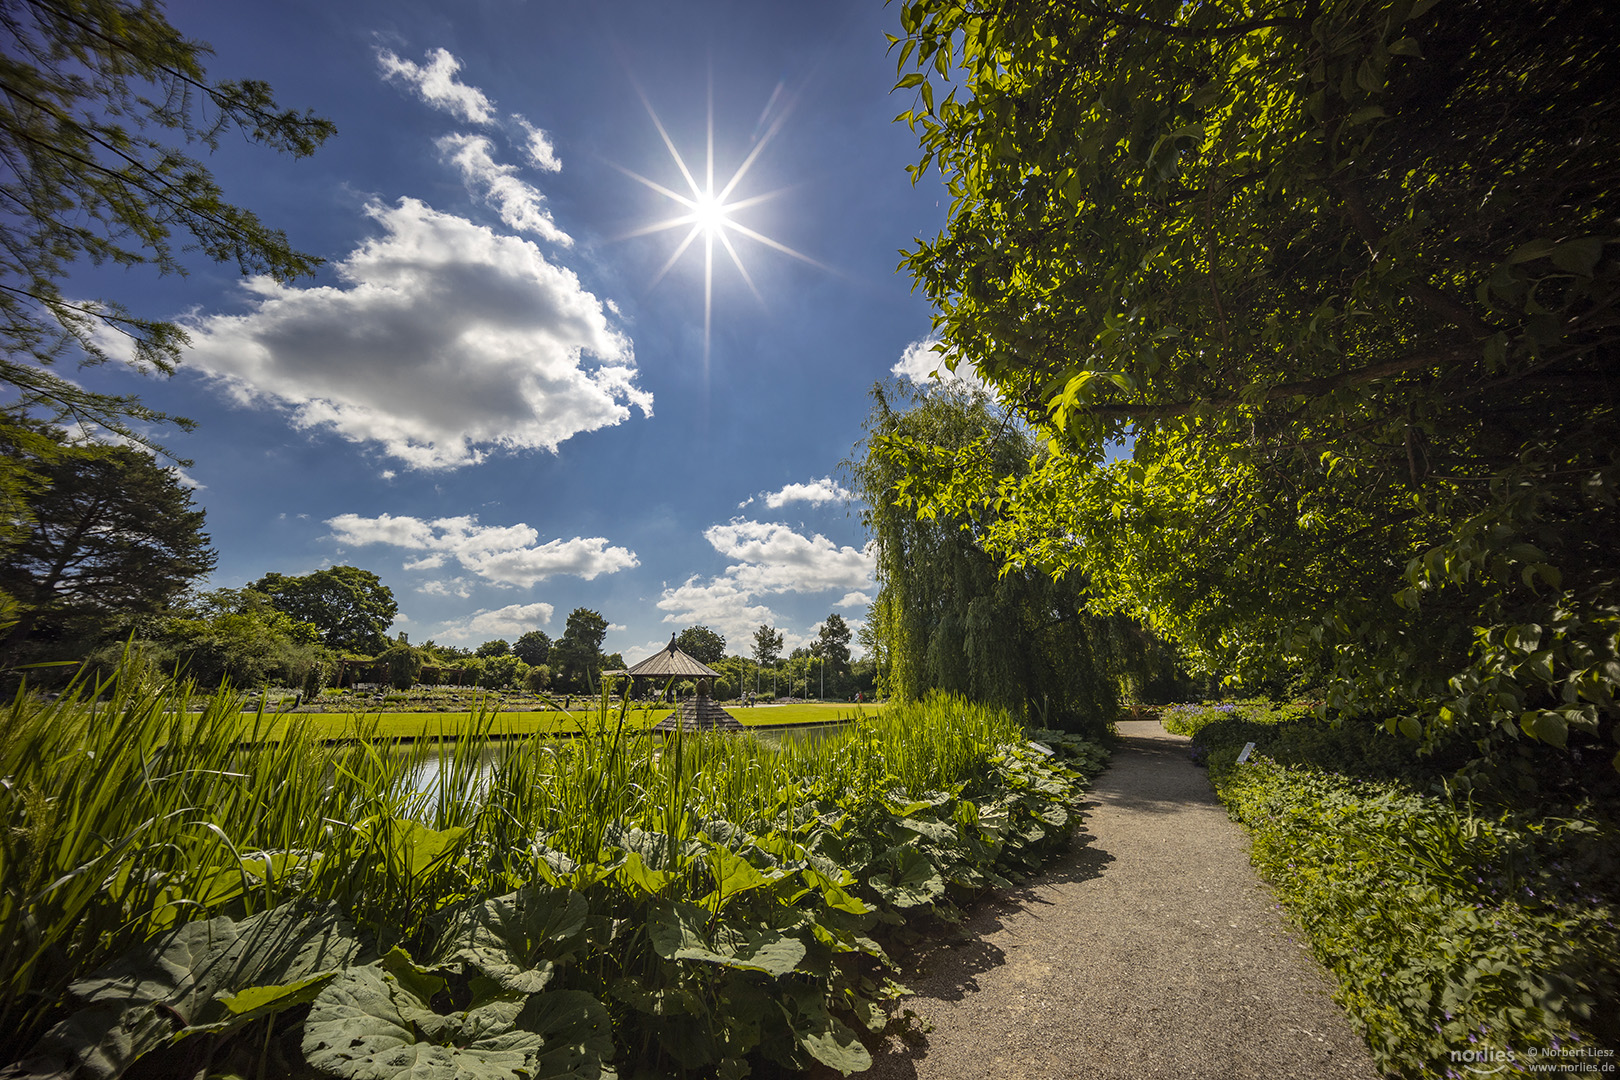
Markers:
point(537, 679)
point(1447, 930)
point(1448, 927)
point(1190, 719)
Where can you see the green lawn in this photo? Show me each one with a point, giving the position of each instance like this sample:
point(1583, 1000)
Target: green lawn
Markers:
point(393, 725)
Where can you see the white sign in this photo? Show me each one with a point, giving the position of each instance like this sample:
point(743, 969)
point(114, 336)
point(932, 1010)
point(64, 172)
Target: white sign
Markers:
point(1043, 748)
point(1244, 757)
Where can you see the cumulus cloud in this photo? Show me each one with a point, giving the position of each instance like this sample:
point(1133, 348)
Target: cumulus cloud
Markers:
point(720, 604)
point(815, 493)
point(519, 203)
point(925, 365)
point(774, 558)
point(435, 82)
point(506, 555)
point(854, 600)
point(507, 622)
point(770, 558)
point(449, 340)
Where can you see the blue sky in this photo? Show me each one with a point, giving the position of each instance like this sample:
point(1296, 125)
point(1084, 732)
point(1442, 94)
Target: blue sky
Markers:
point(488, 396)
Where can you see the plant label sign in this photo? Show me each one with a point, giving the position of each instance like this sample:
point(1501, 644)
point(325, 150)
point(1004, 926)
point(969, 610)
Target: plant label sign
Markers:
point(1041, 747)
point(1244, 757)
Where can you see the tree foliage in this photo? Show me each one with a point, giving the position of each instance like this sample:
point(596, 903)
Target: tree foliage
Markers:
point(949, 615)
point(767, 645)
point(112, 535)
point(1346, 273)
point(701, 644)
point(94, 95)
point(238, 636)
point(351, 607)
point(533, 647)
point(498, 647)
point(832, 642)
point(577, 656)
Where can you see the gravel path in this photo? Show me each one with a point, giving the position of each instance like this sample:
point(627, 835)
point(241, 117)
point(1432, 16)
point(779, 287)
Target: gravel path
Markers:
point(1150, 949)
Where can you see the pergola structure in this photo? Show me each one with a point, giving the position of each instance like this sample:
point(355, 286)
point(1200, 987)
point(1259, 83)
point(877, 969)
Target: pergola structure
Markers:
point(698, 713)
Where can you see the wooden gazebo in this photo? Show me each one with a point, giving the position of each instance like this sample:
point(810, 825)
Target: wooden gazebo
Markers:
point(698, 713)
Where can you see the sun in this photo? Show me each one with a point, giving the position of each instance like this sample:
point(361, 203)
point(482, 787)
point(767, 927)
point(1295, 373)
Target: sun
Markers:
point(707, 214)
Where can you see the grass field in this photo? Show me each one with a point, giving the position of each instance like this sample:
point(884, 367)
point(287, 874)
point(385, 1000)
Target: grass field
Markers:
point(398, 725)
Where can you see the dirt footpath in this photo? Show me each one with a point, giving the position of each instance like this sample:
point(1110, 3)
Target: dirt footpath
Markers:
point(1150, 949)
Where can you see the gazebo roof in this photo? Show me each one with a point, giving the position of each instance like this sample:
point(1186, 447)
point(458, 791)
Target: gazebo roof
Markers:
point(673, 662)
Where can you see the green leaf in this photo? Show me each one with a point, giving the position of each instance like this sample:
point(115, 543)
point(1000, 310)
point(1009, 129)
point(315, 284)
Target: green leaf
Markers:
point(914, 881)
point(635, 873)
point(257, 1002)
point(678, 932)
point(734, 875)
point(1579, 257)
point(1551, 728)
point(369, 1025)
point(136, 1003)
point(517, 938)
point(419, 850)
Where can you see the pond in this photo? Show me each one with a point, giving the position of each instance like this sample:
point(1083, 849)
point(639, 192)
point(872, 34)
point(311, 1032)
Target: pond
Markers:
point(426, 780)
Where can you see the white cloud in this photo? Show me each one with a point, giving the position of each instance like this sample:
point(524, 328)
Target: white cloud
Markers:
point(854, 600)
point(538, 146)
point(770, 558)
point(449, 340)
point(774, 558)
point(504, 554)
point(815, 493)
point(509, 621)
point(721, 605)
point(453, 587)
point(924, 365)
point(519, 203)
point(436, 84)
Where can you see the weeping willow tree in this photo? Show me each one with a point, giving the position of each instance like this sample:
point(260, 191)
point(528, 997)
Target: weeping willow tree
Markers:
point(949, 616)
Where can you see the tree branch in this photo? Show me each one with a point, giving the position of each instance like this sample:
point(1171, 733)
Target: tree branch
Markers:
point(1421, 291)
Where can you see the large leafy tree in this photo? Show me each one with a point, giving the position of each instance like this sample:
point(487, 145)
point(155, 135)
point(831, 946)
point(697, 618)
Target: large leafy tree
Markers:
point(577, 655)
point(113, 535)
point(701, 644)
point(351, 607)
point(1346, 273)
point(949, 615)
point(832, 642)
point(98, 99)
point(533, 647)
point(767, 645)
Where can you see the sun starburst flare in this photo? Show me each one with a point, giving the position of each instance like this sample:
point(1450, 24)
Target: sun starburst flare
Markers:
point(708, 213)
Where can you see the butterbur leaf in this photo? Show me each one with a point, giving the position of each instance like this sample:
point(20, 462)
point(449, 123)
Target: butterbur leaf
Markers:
point(178, 982)
point(677, 931)
point(370, 1025)
point(635, 873)
point(914, 881)
point(825, 1038)
point(517, 938)
point(257, 1002)
point(419, 850)
point(734, 874)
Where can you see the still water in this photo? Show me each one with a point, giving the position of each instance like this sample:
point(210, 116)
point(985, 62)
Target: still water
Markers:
point(426, 778)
